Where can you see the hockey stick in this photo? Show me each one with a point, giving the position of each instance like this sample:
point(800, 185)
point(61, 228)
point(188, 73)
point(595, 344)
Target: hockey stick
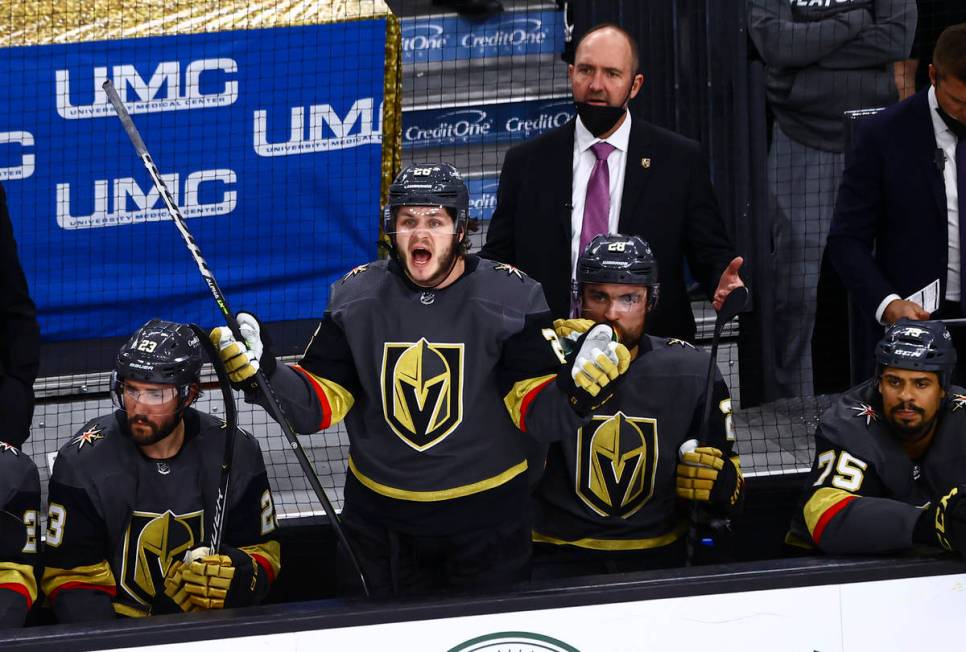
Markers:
point(263, 385)
point(231, 429)
point(736, 302)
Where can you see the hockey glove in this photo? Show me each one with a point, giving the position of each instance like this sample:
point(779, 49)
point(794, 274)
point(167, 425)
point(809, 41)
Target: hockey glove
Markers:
point(704, 474)
point(204, 581)
point(242, 361)
point(944, 523)
point(589, 381)
point(569, 331)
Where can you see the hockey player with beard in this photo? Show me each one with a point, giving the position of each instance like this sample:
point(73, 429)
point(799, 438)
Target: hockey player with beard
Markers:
point(133, 493)
point(617, 492)
point(888, 473)
point(436, 360)
point(19, 520)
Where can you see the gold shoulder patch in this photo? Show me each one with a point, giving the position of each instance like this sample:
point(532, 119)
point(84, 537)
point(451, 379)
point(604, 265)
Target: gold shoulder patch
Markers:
point(355, 271)
point(959, 401)
point(671, 341)
point(88, 437)
point(510, 270)
point(7, 448)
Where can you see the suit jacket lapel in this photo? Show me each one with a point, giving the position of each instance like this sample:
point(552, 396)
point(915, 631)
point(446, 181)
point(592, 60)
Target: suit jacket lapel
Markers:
point(922, 137)
point(640, 153)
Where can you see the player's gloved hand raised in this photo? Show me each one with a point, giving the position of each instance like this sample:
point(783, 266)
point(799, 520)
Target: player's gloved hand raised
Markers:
point(599, 361)
point(944, 523)
point(243, 360)
point(704, 474)
point(204, 581)
point(569, 331)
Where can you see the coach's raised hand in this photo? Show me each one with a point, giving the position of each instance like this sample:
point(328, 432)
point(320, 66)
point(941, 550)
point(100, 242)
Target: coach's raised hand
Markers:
point(243, 360)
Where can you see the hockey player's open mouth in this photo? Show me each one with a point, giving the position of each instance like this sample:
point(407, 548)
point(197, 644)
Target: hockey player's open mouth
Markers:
point(421, 256)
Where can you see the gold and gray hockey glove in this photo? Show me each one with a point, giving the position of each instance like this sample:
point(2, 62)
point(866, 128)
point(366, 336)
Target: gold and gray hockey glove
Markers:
point(243, 359)
point(591, 378)
point(704, 474)
point(204, 581)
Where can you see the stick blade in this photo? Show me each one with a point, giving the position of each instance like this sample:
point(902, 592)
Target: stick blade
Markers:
point(735, 303)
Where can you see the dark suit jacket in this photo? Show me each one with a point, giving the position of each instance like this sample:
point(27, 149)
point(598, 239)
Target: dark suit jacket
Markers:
point(19, 339)
point(892, 197)
point(670, 203)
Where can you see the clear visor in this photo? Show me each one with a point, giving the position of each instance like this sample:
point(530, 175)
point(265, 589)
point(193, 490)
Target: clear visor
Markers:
point(599, 301)
point(153, 396)
point(434, 220)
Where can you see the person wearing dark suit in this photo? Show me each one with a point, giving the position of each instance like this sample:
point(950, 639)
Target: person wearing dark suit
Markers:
point(896, 227)
point(19, 339)
point(656, 184)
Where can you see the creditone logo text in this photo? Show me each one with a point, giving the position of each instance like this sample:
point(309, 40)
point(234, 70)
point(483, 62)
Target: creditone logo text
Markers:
point(549, 118)
point(519, 31)
point(423, 36)
point(123, 201)
point(23, 139)
point(455, 125)
point(167, 88)
point(327, 130)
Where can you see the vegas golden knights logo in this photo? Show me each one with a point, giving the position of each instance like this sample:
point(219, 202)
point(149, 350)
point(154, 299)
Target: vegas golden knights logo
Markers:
point(422, 390)
point(152, 542)
point(616, 456)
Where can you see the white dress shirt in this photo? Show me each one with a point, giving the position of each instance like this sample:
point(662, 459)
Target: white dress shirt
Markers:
point(584, 160)
point(945, 141)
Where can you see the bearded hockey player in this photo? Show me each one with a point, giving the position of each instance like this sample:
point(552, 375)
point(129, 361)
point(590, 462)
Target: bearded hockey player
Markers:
point(888, 472)
point(19, 519)
point(436, 360)
point(133, 493)
point(615, 495)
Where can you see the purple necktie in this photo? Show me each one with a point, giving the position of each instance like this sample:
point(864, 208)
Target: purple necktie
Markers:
point(597, 202)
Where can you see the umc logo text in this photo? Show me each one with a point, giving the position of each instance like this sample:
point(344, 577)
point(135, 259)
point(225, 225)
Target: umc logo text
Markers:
point(168, 88)
point(327, 130)
point(27, 164)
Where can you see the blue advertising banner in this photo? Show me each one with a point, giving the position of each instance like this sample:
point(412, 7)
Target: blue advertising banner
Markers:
point(482, 196)
point(435, 39)
point(270, 141)
point(492, 123)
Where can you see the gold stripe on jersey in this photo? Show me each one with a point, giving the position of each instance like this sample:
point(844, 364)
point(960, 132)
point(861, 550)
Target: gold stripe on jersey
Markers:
point(819, 503)
point(22, 574)
point(442, 494)
point(97, 575)
point(518, 398)
point(616, 544)
point(335, 400)
point(270, 551)
point(123, 609)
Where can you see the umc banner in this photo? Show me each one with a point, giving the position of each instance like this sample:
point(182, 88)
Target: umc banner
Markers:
point(269, 140)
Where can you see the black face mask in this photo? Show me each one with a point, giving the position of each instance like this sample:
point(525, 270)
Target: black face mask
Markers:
point(601, 119)
point(955, 126)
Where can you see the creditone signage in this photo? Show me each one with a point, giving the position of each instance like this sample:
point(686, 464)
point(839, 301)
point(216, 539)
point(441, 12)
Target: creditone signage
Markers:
point(484, 124)
point(435, 39)
point(276, 167)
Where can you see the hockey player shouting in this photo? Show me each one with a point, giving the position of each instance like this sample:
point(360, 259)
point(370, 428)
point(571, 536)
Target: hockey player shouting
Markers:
point(436, 360)
point(615, 496)
point(133, 493)
point(888, 471)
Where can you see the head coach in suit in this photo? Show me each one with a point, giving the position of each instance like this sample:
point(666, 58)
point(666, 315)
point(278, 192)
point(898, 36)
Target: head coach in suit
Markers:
point(605, 171)
point(897, 223)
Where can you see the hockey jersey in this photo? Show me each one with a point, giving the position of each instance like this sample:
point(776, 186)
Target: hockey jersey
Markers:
point(19, 519)
point(117, 520)
point(434, 385)
point(610, 484)
point(864, 493)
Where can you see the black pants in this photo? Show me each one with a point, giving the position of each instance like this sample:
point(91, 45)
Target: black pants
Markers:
point(397, 563)
point(555, 562)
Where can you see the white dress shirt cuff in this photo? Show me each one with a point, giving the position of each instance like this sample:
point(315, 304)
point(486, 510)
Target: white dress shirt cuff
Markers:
point(882, 306)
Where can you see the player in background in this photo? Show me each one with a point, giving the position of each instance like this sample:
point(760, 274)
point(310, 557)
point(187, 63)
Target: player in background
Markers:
point(888, 473)
point(133, 493)
point(19, 520)
point(436, 360)
point(617, 492)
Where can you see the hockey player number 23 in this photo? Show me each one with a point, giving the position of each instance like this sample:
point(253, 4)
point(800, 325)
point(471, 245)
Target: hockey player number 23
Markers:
point(850, 471)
